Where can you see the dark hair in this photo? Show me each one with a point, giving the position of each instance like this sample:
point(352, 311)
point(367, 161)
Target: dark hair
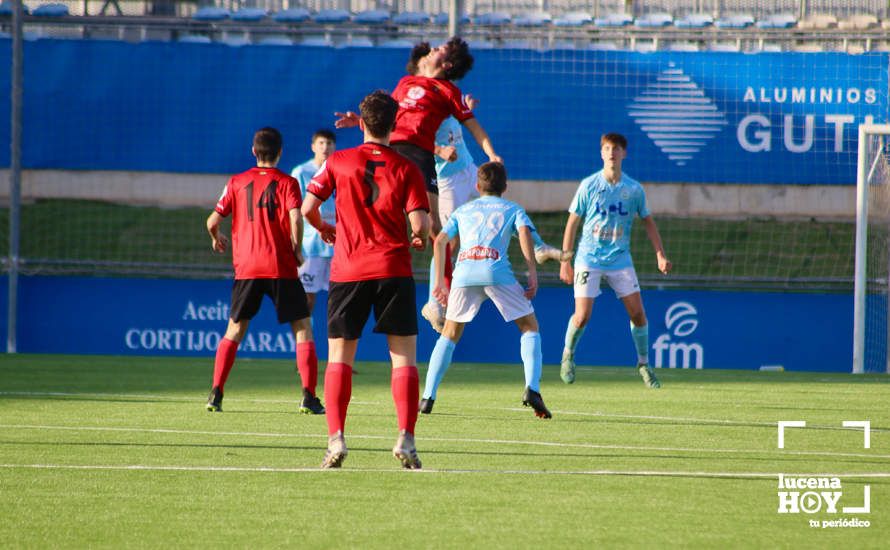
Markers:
point(417, 52)
point(614, 139)
point(324, 133)
point(378, 112)
point(267, 144)
point(492, 178)
point(458, 55)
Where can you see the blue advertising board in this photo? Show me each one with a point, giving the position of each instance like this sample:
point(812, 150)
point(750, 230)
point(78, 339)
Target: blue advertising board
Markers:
point(707, 117)
point(687, 329)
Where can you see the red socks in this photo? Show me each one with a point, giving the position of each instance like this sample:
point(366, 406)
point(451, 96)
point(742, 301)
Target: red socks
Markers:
point(405, 394)
point(337, 392)
point(307, 365)
point(225, 358)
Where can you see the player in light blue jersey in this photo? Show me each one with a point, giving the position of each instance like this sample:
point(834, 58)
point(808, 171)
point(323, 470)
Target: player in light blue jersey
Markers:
point(607, 203)
point(456, 176)
point(315, 273)
point(483, 271)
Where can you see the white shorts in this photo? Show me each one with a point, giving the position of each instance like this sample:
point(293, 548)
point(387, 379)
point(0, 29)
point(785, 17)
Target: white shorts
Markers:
point(456, 190)
point(315, 274)
point(464, 302)
point(623, 281)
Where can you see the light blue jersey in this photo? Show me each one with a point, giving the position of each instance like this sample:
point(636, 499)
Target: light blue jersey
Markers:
point(608, 212)
point(485, 226)
point(450, 132)
point(313, 245)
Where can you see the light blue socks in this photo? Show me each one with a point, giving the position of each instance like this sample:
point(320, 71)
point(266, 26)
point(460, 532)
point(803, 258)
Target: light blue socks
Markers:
point(530, 351)
point(640, 336)
point(440, 360)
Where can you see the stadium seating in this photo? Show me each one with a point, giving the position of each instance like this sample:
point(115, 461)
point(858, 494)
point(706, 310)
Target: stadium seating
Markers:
point(6, 9)
point(371, 17)
point(858, 22)
point(684, 47)
point(532, 19)
point(397, 43)
point(817, 22)
point(412, 18)
point(777, 21)
point(735, 21)
point(292, 15)
point(654, 20)
point(275, 41)
point(493, 19)
point(724, 47)
point(331, 17)
point(359, 42)
point(573, 19)
point(442, 18)
point(613, 20)
point(317, 41)
point(195, 39)
point(250, 15)
point(694, 21)
point(211, 14)
point(50, 10)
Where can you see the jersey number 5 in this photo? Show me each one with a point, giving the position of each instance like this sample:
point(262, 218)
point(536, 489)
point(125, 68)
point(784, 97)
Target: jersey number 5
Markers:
point(371, 166)
point(267, 200)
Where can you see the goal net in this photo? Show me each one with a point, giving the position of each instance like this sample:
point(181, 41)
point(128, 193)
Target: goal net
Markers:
point(872, 272)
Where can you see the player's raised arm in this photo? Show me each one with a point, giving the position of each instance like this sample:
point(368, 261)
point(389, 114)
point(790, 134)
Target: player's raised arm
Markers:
point(566, 271)
point(527, 244)
point(219, 242)
point(481, 137)
point(664, 265)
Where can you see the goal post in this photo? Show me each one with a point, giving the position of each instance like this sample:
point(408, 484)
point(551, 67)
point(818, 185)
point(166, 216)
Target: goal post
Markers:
point(871, 330)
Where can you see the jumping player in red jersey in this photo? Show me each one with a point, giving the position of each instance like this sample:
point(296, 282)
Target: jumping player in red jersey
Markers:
point(266, 250)
point(375, 187)
point(427, 95)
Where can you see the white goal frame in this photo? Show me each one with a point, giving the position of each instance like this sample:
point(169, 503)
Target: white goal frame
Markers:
point(864, 172)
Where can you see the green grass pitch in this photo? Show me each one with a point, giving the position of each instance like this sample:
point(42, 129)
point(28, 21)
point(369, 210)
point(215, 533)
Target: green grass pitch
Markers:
point(119, 452)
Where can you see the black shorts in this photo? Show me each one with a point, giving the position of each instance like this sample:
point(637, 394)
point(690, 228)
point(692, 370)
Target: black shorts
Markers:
point(394, 302)
point(424, 160)
point(287, 295)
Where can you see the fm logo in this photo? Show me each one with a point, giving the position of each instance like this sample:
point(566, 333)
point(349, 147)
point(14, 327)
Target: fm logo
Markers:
point(681, 320)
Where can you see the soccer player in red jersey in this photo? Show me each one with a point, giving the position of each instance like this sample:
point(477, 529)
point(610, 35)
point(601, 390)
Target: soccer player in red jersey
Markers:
point(427, 95)
point(375, 187)
point(266, 250)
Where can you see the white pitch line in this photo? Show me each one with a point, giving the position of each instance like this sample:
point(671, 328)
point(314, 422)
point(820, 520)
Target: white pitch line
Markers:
point(781, 452)
point(727, 422)
point(268, 469)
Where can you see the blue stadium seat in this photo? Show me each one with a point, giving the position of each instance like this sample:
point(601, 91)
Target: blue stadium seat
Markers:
point(694, 21)
point(50, 10)
point(573, 19)
point(442, 19)
point(211, 14)
point(603, 46)
point(492, 19)
point(778, 21)
point(735, 21)
point(683, 47)
point(480, 45)
point(236, 41)
point(411, 18)
point(371, 17)
point(654, 20)
point(250, 14)
point(6, 9)
point(613, 20)
point(724, 47)
point(331, 16)
point(533, 19)
point(292, 15)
